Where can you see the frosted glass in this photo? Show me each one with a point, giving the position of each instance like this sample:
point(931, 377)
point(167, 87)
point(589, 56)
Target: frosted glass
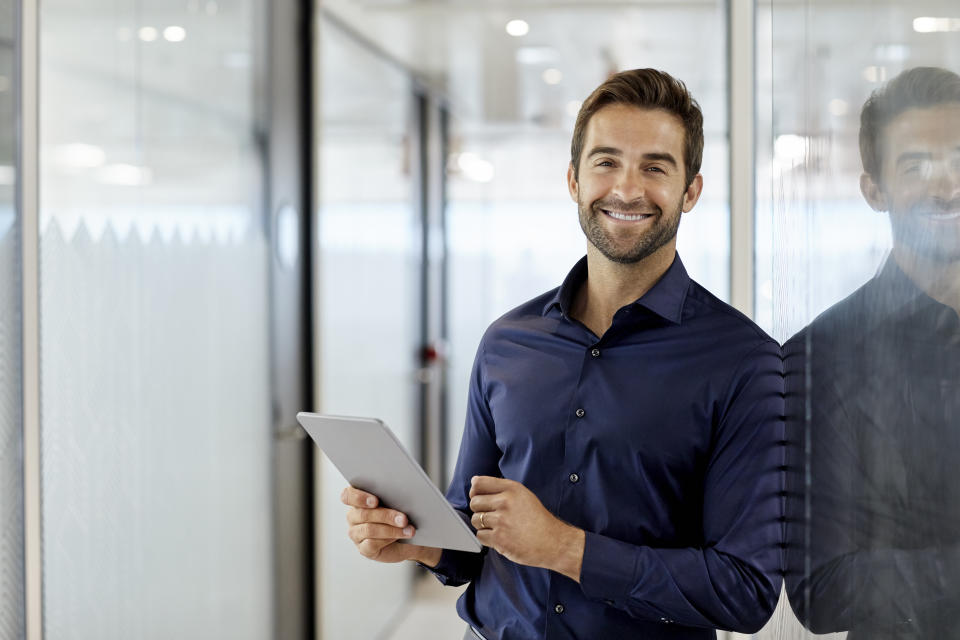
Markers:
point(154, 323)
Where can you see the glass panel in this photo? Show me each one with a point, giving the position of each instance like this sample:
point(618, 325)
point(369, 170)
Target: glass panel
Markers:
point(861, 233)
point(513, 230)
point(369, 300)
point(11, 430)
point(155, 440)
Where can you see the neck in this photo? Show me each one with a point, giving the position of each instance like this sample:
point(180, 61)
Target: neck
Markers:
point(938, 279)
point(611, 285)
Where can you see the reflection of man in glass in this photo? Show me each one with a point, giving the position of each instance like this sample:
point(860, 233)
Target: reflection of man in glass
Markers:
point(874, 394)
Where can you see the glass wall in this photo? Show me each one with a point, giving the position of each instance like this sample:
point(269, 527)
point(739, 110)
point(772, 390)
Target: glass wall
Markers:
point(858, 271)
point(11, 431)
point(155, 385)
point(368, 305)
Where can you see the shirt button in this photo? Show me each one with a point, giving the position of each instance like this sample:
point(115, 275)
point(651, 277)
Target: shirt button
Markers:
point(581, 413)
point(558, 608)
point(574, 478)
point(595, 353)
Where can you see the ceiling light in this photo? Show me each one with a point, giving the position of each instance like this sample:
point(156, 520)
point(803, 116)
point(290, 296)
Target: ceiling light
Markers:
point(474, 167)
point(839, 107)
point(518, 28)
point(126, 175)
point(536, 55)
point(790, 148)
point(927, 24)
point(552, 76)
point(78, 155)
point(174, 34)
point(147, 34)
point(875, 74)
point(891, 52)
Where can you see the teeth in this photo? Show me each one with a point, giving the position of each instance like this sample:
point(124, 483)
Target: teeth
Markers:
point(626, 216)
point(944, 216)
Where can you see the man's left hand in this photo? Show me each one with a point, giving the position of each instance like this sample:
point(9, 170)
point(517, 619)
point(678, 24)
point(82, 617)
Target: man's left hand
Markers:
point(516, 524)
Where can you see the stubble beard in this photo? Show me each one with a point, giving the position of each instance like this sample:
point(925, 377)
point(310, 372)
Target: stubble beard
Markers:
point(924, 238)
point(664, 229)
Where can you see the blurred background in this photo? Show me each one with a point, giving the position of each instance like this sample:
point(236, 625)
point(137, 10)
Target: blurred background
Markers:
point(217, 213)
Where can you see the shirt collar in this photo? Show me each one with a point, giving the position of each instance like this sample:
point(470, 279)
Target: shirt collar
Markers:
point(899, 295)
point(665, 298)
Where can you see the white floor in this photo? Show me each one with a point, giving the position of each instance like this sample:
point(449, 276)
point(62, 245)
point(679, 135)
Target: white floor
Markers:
point(432, 614)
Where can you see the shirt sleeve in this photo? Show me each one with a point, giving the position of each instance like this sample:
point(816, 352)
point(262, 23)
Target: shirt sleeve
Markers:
point(479, 455)
point(838, 578)
point(733, 580)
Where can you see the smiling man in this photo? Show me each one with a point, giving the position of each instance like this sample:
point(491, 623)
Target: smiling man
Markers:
point(621, 454)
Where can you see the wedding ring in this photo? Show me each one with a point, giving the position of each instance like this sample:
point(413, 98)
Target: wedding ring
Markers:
point(482, 526)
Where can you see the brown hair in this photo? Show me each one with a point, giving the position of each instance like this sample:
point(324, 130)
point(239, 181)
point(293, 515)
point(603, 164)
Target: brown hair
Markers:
point(920, 87)
point(647, 89)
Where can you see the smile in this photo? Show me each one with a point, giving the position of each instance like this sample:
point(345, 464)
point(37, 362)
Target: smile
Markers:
point(945, 215)
point(630, 217)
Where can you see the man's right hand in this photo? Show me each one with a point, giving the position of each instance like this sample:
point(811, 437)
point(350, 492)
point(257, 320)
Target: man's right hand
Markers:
point(376, 531)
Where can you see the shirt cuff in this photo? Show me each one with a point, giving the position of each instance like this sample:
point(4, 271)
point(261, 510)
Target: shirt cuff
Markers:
point(608, 572)
point(455, 567)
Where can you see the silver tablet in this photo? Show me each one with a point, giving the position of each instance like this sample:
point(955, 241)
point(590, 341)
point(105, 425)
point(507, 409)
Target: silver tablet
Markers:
point(371, 458)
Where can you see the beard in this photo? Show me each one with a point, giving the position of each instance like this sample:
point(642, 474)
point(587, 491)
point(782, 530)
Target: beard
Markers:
point(663, 230)
point(935, 240)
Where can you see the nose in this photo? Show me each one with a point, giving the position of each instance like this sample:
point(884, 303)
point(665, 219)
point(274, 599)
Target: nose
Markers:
point(945, 179)
point(629, 185)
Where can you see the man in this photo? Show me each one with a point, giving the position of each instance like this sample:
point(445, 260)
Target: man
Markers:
point(874, 388)
point(622, 444)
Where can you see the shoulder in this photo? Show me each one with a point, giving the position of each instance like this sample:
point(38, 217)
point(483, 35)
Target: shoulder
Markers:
point(732, 330)
point(843, 323)
point(528, 316)
point(524, 324)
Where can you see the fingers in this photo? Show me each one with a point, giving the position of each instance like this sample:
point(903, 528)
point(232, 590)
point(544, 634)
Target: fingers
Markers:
point(361, 533)
point(381, 515)
point(354, 497)
point(480, 485)
point(487, 502)
point(487, 521)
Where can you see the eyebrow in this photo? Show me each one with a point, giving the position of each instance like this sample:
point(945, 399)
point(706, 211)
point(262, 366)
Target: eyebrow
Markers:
point(913, 155)
point(613, 151)
point(920, 155)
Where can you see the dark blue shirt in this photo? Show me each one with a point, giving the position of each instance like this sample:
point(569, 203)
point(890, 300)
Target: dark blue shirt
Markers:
point(662, 440)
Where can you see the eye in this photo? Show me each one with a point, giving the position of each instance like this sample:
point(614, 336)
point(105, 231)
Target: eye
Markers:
point(656, 170)
point(605, 163)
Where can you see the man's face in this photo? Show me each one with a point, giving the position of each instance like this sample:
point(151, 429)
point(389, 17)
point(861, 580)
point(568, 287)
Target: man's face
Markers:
point(920, 185)
point(631, 187)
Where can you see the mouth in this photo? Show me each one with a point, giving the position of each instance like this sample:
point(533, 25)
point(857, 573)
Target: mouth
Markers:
point(627, 217)
point(942, 215)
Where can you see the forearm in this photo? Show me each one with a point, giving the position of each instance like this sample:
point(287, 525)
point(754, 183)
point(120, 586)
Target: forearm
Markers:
point(427, 556)
point(567, 551)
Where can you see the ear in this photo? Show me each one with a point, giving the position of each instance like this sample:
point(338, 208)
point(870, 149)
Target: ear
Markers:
point(692, 194)
point(872, 193)
point(572, 186)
